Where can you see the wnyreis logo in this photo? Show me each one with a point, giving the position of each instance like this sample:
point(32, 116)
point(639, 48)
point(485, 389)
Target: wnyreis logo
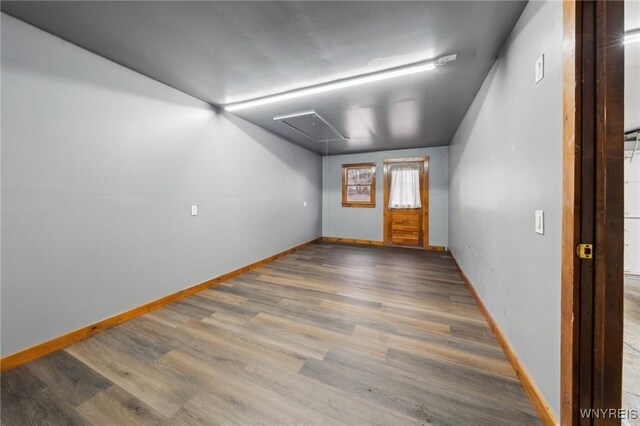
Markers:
point(609, 413)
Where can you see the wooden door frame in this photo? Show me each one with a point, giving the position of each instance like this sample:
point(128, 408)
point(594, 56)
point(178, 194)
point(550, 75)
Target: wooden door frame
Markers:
point(593, 152)
point(425, 197)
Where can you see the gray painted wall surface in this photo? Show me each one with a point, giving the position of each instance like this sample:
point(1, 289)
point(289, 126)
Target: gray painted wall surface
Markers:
point(100, 166)
point(505, 161)
point(366, 223)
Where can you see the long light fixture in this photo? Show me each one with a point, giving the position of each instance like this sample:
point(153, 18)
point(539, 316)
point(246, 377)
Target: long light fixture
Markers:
point(341, 84)
point(632, 36)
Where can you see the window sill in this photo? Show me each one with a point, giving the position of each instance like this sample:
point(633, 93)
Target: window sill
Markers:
point(367, 206)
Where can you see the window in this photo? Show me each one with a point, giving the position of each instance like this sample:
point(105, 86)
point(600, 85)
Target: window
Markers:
point(359, 185)
point(404, 192)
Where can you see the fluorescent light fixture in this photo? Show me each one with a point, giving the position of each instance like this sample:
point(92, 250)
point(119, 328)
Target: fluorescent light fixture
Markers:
point(297, 114)
point(341, 84)
point(632, 36)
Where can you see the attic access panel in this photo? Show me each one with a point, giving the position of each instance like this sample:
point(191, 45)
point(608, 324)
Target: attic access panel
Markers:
point(312, 126)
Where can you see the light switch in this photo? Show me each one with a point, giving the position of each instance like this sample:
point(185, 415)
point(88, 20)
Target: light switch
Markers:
point(539, 69)
point(540, 221)
point(194, 210)
point(305, 204)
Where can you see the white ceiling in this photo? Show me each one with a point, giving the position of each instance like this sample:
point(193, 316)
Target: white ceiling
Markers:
point(224, 52)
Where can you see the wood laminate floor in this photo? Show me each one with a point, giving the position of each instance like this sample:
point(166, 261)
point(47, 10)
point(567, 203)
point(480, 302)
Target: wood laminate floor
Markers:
point(331, 334)
point(631, 347)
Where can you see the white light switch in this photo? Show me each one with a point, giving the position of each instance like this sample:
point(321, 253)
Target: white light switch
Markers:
point(194, 210)
point(540, 221)
point(305, 204)
point(539, 69)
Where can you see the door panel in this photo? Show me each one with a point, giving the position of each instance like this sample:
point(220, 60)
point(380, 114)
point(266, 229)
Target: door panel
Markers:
point(406, 227)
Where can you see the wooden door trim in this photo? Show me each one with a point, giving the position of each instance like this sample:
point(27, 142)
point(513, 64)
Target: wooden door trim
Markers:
point(593, 151)
point(570, 275)
point(406, 160)
point(424, 200)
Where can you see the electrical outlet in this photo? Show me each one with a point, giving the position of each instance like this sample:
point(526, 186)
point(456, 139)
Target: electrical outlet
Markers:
point(194, 210)
point(540, 222)
point(539, 69)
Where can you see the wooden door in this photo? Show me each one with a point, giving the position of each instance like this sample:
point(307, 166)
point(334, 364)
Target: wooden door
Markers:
point(593, 212)
point(407, 227)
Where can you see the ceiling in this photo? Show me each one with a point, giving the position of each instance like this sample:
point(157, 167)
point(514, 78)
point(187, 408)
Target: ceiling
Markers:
point(224, 52)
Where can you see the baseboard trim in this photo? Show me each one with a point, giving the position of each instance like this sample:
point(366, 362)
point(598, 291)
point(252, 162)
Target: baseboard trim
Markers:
point(370, 242)
point(529, 386)
point(34, 352)
point(352, 241)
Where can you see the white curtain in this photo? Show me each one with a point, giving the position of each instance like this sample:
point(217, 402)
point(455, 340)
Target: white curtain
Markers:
point(405, 188)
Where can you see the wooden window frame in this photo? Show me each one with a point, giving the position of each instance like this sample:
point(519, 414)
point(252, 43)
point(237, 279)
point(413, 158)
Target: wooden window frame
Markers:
point(364, 204)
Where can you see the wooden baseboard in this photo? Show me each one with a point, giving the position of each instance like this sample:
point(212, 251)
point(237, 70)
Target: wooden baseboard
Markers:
point(370, 242)
point(352, 241)
point(29, 354)
point(529, 386)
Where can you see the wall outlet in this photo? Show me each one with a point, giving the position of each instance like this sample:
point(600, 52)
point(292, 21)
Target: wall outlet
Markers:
point(539, 68)
point(540, 222)
point(194, 210)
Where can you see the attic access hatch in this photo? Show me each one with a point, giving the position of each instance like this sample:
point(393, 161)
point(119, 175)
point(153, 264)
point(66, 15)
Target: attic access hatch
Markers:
point(312, 126)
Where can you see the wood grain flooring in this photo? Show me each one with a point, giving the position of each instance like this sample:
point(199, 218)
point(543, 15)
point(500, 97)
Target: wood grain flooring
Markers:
point(331, 334)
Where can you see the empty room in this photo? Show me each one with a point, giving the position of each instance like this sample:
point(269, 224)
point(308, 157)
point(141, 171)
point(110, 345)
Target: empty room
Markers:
point(318, 212)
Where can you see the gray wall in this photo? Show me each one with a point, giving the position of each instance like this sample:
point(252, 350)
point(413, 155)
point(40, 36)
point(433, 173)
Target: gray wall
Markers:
point(505, 161)
point(99, 168)
point(365, 223)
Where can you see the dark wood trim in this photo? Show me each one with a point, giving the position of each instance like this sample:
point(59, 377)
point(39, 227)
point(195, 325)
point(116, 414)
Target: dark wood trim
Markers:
point(352, 165)
point(570, 273)
point(425, 205)
point(425, 197)
point(529, 386)
point(29, 354)
point(363, 204)
point(593, 152)
point(385, 202)
point(609, 209)
point(351, 241)
point(405, 160)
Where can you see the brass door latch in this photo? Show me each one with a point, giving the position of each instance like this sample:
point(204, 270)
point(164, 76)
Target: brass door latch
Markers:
point(585, 251)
